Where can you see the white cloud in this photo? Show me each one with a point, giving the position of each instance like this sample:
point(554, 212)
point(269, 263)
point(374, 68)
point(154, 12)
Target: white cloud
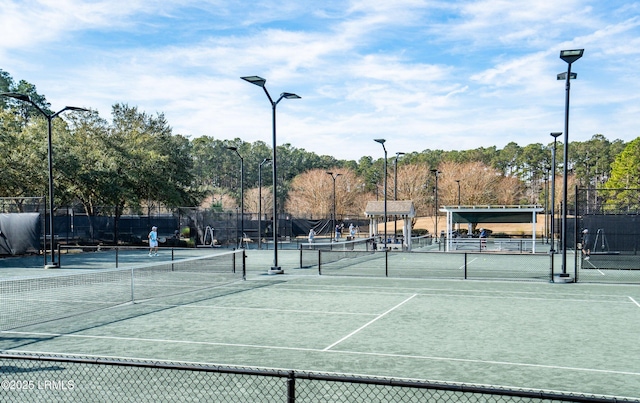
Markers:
point(424, 74)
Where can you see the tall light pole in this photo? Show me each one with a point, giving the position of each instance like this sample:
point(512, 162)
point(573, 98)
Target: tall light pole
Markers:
point(552, 250)
point(458, 182)
point(569, 56)
point(395, 192)
point(381, 141)
point(436, 172)
point(334, 177)
point(235, 149)
point(49, 117)
point(546, 203)
point(260, 82)
point(266, 160)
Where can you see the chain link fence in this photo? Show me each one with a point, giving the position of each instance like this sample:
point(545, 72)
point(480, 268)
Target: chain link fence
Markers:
point(612, 220)
point(38, 378)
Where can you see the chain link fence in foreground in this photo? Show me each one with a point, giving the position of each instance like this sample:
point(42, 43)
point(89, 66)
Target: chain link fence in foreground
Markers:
point(29, 378)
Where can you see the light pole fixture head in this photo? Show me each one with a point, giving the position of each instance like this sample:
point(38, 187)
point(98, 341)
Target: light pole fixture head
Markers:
point(289, 95)
point(256, 80)
point(571, 56)
point(399, 154)
point(556, 134)
point(381, 141)
point(563, 76)
point(76, 109)
point(16, 95)
point(232, 148)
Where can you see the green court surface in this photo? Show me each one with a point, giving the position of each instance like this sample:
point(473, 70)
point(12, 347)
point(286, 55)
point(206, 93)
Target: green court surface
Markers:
point(579, 338)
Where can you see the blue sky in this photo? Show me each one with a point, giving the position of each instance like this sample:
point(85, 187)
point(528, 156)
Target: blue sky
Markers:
point(422, 74)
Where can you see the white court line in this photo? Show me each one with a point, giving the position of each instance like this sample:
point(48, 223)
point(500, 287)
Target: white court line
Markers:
point(265, 347)
point(472, 260)
point(634, 301)
point(592, 265)
point(367, 324)
point(279, 310)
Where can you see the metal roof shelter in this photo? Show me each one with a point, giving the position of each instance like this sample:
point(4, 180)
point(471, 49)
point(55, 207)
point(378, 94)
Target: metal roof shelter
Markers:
point(403, 209)
point(491, 214)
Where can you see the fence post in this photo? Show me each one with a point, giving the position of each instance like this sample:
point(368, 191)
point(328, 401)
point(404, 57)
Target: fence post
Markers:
point(291, 387)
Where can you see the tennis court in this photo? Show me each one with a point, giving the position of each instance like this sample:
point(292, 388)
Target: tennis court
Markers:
point(579, 338)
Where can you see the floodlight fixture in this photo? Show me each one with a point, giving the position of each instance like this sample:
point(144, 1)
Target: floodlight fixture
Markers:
point(255, 80)
point(563, 76)
point(289, 95)
point(571, 56)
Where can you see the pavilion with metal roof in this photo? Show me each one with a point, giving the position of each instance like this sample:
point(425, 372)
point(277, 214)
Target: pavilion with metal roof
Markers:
point(403, 209)
point(491, 214)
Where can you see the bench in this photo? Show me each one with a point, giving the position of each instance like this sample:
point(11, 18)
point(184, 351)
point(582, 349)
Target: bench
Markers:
point(520, 245)
point(467, 243)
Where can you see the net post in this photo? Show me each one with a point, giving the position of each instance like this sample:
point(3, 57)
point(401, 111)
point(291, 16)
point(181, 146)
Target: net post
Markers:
point(133, 299)
point(244, 265)
point(386, 261)
point(117, 250)
point(172, 265)
point(465, 265)
point(319, 262)
point(233, 258)
point(300, 256)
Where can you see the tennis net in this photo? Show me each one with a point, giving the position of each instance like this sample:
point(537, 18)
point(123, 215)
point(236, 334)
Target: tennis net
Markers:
point(36, 300)
point(351, 244)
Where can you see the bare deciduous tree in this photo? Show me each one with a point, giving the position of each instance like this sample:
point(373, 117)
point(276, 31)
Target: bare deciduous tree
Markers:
point(311, 194)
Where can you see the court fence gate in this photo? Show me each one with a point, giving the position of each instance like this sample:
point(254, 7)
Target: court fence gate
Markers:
point(34, 378)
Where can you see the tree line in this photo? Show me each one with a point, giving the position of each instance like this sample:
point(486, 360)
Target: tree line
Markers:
point(134, 162)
